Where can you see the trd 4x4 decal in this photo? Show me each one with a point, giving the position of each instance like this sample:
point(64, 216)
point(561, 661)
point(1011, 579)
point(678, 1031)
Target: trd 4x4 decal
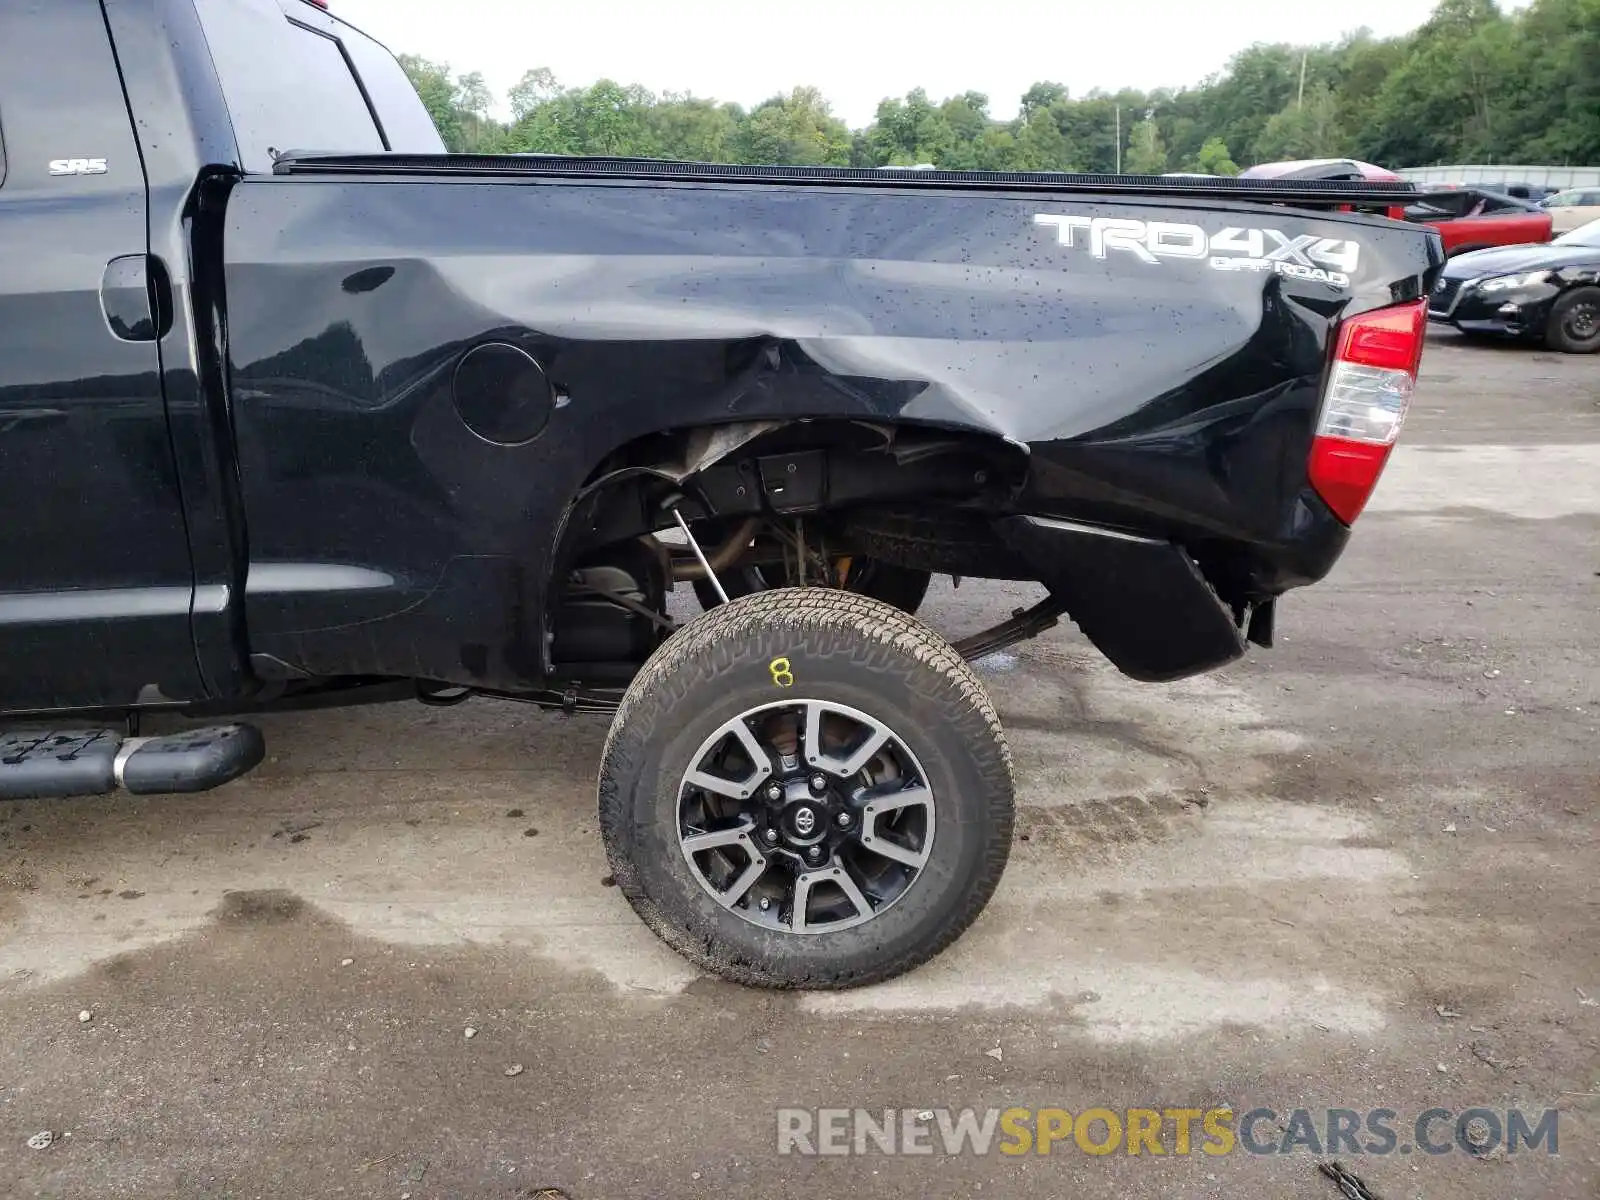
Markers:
point(1325, 260)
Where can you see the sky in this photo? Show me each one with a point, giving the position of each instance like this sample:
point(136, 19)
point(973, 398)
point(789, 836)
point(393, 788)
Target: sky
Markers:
point(858, 51)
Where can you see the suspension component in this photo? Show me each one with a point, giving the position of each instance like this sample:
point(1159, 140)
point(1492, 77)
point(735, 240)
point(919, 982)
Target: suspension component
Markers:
point(705, 563)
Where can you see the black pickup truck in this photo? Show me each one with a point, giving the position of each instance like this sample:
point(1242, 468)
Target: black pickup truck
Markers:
point(297, 409)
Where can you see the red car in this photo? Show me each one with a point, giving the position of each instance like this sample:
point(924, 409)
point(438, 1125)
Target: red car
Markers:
point(1467, 217)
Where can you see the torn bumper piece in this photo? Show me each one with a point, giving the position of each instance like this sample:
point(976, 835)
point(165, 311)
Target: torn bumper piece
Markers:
point(1142, 601)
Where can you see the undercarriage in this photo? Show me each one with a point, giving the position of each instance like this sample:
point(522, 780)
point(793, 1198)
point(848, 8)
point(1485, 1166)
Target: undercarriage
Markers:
point(873, 510)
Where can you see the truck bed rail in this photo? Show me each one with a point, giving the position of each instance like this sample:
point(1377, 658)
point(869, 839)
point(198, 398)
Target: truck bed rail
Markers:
point(1299, 192)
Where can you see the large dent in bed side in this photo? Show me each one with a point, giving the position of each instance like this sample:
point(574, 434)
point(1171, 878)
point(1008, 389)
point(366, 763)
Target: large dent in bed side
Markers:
point(1028, 351)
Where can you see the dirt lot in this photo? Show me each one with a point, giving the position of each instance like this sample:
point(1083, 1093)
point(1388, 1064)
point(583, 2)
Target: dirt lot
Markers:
point(1274, 886)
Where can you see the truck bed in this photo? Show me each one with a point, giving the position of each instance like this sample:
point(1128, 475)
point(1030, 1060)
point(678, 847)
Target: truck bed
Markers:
point(1155, 347)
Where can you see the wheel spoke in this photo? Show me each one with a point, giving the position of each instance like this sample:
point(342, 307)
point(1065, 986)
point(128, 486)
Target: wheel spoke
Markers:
point(802, 899)
point(876, 842)
point(718, 839)
point(842, 876)
point(746, 881)
point(876, 740)
point(756, 752)
point(893, 801)
point(813, 735)
point(878, 737)
point(737, 836)
point(882, 846)
point(731, 788)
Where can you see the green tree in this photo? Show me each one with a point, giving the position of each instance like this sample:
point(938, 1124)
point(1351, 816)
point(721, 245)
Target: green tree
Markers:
point(967, 115)
point(997, 150)
point(536, 87)
point(1358, 68)
point(1304, 130)
point(1213, 159)
point(1147, 153)
point(459, 105)
point(1041, 146)
point(1260, 80)
point(1042, 96)
point(1472, 83)
point(910, 131)
point(1449, 97)
point(1090, 127)
point(438, 92)
point(1553, 109)
point(472, 96)
point(798, 129)
point(694, 130)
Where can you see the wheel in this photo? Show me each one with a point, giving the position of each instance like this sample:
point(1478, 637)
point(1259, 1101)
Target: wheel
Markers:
point(1574, 324)
point(807, 788)
point(903, 587)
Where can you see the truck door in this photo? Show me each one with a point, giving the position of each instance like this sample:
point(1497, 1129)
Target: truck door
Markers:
point(95, 578)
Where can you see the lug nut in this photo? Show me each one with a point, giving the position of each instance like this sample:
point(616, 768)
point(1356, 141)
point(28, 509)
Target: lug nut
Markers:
point(814, 853)
point(766, 903)
point(845, 820)
point(818, 782)
point(774, 792)
point(772, 835)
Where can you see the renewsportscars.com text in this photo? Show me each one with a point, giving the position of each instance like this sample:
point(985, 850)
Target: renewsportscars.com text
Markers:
point(1163, 1131)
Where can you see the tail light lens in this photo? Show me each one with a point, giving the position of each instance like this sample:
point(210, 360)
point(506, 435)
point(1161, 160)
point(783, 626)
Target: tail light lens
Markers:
point(1369, 391)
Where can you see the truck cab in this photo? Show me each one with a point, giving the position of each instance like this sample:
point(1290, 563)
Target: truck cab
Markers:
point(115, 560)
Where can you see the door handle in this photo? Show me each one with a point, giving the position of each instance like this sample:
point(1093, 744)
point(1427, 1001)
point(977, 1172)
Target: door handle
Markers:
point(136, 298)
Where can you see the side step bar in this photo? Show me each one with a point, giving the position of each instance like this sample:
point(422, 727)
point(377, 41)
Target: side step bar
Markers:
point(52, 764)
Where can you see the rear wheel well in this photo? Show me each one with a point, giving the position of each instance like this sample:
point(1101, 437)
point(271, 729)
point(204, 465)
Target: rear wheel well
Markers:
point(821, 491)
point(791, 469)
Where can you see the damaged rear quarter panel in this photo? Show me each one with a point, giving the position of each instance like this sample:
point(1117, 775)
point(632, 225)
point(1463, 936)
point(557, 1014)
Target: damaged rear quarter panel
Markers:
point(1168, 387)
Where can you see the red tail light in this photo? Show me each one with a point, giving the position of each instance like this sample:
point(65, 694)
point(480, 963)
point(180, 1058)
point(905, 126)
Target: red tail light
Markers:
point(1369, 391)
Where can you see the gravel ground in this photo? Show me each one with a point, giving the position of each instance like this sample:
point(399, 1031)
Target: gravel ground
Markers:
point(1356, 871)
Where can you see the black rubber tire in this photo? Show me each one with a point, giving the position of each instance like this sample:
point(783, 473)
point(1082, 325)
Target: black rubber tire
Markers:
point(1558, 336)
point(903, 587)
point(851, 650)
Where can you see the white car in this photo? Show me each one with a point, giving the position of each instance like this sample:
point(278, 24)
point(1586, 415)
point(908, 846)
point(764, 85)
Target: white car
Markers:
point(1572, 208)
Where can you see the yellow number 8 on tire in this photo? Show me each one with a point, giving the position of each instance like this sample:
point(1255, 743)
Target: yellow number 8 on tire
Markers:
point(782, 675)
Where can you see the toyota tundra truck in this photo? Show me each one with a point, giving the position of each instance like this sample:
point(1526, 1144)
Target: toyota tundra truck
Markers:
point(297, 410)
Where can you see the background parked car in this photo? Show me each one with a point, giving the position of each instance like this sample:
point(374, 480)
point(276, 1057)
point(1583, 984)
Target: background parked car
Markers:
point(1472, 218)
point(1467, 217)
point(1321, 168)
point(1572, 208)
point(1545, 293)
point(1535, 192)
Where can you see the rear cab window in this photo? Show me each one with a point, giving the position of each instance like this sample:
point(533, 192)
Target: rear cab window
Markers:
point(297, 78)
